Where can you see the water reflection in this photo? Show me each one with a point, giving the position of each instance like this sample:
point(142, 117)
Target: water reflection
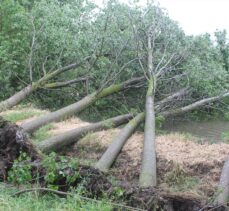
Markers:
point(212, 130)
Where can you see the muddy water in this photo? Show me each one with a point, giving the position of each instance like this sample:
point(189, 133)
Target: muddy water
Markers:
point(208, 130)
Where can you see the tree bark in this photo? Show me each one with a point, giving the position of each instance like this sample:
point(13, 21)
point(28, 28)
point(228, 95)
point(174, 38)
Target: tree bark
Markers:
point(148, 175)
point(178, 94)
point(119, 141)
point(117, 144)
point(56, 85)
point(223, 187)
point(194, 105)
point(21, 95)
point(58, 142)
point(16, 98)
point(78, 106)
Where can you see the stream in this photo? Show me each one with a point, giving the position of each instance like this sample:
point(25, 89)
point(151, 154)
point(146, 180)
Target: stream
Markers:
point(210, 131)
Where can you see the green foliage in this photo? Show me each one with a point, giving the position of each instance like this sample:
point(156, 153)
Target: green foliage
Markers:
point(118, 193)
point(14, 28)
point(55, 169)
point(226, 116)
point(20, 172)
point(113, 36)
point(159, 121)
point(225, 136)
point(223, 46)
point(205, 67)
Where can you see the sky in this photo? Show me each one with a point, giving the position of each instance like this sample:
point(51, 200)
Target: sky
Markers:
point(196, 16)
point(199, 16)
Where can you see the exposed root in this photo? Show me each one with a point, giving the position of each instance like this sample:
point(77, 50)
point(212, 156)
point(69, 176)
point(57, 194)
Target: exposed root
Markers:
point(12, 141)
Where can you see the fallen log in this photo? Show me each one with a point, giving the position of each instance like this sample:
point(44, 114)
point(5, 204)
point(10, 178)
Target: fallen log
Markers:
point(67, 138)
point(117, 144)
point(77, 107)
point(34, 86)
point(119, 141)
point(56, 85)
point(194, 105)
point(148, 174)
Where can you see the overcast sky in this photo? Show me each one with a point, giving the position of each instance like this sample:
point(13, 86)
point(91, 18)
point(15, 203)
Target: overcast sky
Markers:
point(199, 16)
point(196, 16)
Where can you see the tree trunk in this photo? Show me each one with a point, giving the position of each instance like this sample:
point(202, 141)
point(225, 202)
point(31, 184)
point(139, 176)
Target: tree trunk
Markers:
point(56, 85)
point(223, 187)
point(16, 98)
point(194, 105)
point(78, 106)
point(119, 141)
point(72, 136)
point(21, 95)
point(117, 144)
point(148, 175)
point(178, 94)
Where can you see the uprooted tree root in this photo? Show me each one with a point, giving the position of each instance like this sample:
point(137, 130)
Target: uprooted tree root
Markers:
point(13, 141)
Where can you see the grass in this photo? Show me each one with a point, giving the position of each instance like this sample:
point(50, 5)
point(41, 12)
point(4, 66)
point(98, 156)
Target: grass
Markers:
point(179, 180)
point(42, 133)
point(16, 116)
point(226, 116)
point(22, 114)
point(225, 137)
point(36, 202)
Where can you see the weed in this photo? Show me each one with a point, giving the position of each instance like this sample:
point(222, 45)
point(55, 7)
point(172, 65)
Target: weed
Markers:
point(21, 115)
point(226, 116)
point(37, 202)
point(225, 137)
point(20, 172)
point(42, 133)
point(179, 180)
point(56, 170)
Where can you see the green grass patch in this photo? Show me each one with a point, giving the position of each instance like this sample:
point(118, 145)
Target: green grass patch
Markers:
point(179, 180)
point(226, 116)
point(42, 133)
point(37, 202)
point(16, 116)
point(225, 137)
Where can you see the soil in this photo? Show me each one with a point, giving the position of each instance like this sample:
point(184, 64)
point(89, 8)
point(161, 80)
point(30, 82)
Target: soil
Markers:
point(13, 141)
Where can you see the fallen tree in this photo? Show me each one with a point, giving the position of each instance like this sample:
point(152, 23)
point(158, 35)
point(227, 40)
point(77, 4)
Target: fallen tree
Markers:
point(195, 105)
point(108, 158)
point(148, 175)
point(75, 108)
point(34, 86)
point(117, 144)
point(67, 138)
